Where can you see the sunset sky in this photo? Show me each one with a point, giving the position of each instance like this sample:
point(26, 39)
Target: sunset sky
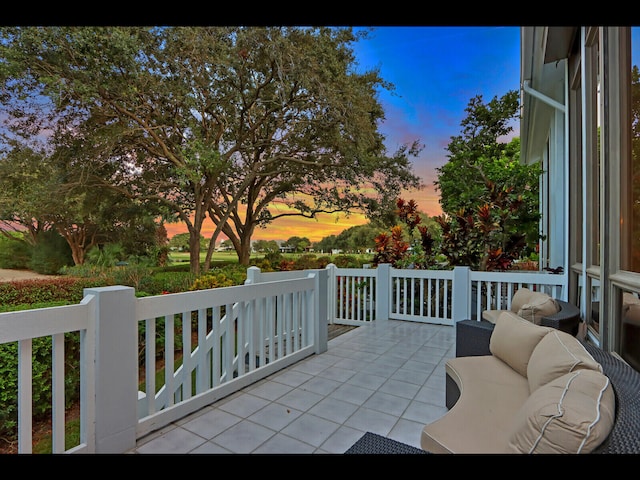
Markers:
point(436, 71)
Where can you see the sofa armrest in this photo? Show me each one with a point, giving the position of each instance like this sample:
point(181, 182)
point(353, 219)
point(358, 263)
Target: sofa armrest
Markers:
point(472, 337)
point(624, 437)
point(566, 318)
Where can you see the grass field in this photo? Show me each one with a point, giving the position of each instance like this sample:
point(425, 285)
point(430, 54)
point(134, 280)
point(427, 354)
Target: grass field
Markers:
point(226, 257)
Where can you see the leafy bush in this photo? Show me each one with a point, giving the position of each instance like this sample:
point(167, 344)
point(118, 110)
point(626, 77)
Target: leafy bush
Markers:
point(273, 258)
point(46, 290)
point(172, 282)
point(306, 261)
point(42, 389)
point(14, 254)
point(50, 254)
point(347, 261)
point(30, 294)
point(323, 261)
point(226, 276)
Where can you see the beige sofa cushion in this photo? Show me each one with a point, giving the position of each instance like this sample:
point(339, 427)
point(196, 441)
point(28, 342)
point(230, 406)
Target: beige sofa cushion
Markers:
point(539, 305)
point(572, 414)
point(482, 418)
point(556, 354)
point(513, 340)
point(492, 315)
point(519, 299)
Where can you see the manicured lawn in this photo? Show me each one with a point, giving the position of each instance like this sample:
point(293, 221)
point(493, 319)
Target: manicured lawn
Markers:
point(225, 257)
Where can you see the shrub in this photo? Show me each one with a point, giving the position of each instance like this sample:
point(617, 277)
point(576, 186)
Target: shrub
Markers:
point(46, 290)
point(171, 282)
point(226, 276)
point(42, 387)
point(346, 261)
point(14, 254)
point(50, 254)
point(306, 261)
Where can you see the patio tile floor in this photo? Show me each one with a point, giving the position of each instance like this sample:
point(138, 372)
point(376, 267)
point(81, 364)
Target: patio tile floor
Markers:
point(386, 377)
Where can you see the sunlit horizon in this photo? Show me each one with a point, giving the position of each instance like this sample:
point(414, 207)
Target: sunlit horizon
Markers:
point(322, 226)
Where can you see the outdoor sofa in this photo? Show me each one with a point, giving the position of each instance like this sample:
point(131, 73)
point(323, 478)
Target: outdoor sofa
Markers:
point(568, 397)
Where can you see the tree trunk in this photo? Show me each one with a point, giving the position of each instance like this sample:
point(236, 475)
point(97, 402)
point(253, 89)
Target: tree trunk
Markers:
point(194, 253)
point(244, 247)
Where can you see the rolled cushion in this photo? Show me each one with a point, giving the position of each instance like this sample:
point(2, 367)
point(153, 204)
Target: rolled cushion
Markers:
point(513, 340)
point(539, 305)
point(571, 414)
point(519, 299)
point(557, 354)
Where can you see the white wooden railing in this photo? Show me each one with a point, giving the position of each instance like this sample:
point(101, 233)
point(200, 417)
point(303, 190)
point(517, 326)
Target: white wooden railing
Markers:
point(215, 342)
point(362, 295)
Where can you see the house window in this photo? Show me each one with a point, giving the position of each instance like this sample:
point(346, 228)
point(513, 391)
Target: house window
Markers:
point(630, 328)
point(631, 232)
point(625, 273)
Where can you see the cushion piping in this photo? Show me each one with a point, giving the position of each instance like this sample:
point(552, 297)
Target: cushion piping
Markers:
point(561, 412)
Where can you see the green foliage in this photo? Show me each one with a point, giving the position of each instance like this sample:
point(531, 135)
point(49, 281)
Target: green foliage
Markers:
point(411, 248)
point(89, 271)
point(347, 261)
point(489, 198)
point(266, 246)
point(31, 306)
point(41, 370)
point(226, 276)
point(306, 261)
point(14, 254)
point(274, 257)
point(180, 242)
point(106, 255)
point(46, 290)
point(299, 244)
point(50, 253)
point(354, 239)
point(171, 282)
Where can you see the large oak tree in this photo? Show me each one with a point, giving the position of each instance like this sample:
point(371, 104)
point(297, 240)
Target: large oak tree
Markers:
point(220, 121)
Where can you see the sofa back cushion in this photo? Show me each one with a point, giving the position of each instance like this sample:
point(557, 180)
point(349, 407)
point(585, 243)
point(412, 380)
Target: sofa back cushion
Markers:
point(556, 354)
point(513, 340)
point(539, 305)
point(572, 414)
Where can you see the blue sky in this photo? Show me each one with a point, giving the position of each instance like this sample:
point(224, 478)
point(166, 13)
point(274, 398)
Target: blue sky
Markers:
point(436, 72)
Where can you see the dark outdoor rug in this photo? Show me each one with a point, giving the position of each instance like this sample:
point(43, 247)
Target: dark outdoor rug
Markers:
point(372, 443)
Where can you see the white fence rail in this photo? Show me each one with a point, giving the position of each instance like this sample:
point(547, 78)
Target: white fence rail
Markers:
point(212, 343)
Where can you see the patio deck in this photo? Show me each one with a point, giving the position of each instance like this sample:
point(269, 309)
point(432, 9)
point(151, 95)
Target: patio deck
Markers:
point(386, 377)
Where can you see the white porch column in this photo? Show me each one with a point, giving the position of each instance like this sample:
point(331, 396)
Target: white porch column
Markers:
point(320, 307)
point(383, 291)
point(116, 368)
point(461, 306)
